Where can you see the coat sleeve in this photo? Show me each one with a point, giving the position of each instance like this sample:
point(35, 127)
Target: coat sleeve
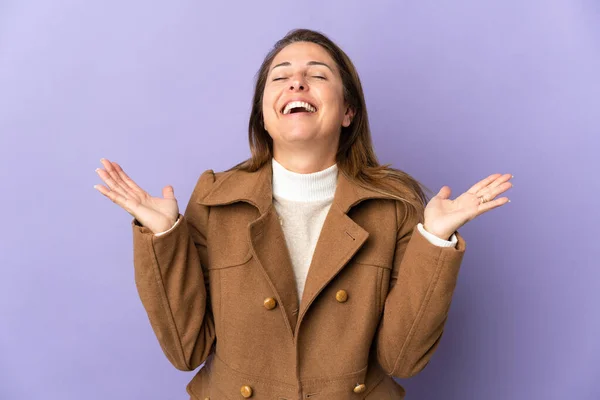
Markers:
point(172, 282)
point(422, 283)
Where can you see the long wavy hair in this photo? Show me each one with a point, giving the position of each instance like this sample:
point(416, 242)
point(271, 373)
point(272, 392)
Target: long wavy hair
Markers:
point(355, 155)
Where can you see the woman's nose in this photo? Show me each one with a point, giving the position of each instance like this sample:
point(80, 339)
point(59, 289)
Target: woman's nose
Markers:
point(298, 84)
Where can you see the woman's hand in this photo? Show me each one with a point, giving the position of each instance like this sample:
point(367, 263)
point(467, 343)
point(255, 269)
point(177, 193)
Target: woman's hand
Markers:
point(444, 216)
point(157, 214)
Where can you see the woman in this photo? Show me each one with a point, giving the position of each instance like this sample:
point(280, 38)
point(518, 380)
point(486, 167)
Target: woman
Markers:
point(309, 270)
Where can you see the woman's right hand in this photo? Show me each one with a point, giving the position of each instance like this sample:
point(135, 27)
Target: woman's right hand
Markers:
point(157, 214)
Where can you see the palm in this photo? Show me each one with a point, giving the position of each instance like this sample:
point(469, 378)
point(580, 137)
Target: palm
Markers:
point(157, 213)
point(154, 209)
point(443, 216)
point(161, 205)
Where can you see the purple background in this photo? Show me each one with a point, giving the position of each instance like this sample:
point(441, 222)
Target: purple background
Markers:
point(456, 90)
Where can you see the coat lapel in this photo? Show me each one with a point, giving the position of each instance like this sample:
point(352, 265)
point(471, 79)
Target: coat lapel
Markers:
point(270, 248)
point(339, 240)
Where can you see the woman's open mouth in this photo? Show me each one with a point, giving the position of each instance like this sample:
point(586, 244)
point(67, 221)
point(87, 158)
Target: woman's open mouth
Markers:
point(294, 107)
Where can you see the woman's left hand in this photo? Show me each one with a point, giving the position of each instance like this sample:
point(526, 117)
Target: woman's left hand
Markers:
point(444, 216)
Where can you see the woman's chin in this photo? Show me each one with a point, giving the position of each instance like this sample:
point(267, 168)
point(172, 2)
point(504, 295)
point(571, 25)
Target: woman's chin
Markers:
point(299, 135)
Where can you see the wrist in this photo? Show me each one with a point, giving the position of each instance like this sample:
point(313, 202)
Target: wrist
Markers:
point(441, 235)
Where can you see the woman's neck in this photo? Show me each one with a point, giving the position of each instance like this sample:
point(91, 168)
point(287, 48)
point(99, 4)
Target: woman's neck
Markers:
point(295, 186)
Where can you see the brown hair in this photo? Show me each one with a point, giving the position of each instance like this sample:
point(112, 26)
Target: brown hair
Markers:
point(355, 156)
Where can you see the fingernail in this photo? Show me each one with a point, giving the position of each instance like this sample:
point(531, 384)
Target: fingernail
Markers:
point(509, 200)
point(94, 186)
point(97, 169)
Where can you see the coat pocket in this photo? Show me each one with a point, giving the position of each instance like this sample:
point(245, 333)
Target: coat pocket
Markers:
point(227, 259)
point(376, 258)
point(339, 387)
point(367, 277)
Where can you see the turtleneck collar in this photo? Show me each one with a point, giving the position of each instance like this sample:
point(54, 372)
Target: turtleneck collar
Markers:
point(315, 186)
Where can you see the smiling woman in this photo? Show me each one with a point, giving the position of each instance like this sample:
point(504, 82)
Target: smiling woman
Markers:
point(308, 270)
point(303, 101)
point(332, 127)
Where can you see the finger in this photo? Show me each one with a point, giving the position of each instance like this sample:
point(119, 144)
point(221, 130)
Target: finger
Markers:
point(129, 182)
point(490, 194)
point(117, 181)
point(503, 187)
point(110, 182)
point(483, 183)
point(117, 198)
point(499, 181)
point(168, 192)
point(489, 205)
point(444, 192)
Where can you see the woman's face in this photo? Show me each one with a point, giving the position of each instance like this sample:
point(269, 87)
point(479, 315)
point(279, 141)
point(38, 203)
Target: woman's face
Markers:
point(303, 100)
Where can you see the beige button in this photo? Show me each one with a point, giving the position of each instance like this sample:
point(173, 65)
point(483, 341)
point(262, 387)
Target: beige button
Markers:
point(246, 391)
point(360, 388)
point(270, 303)
point(341, 296)
point(207, 398)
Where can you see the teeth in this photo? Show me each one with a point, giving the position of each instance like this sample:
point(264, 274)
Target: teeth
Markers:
point(295, 104)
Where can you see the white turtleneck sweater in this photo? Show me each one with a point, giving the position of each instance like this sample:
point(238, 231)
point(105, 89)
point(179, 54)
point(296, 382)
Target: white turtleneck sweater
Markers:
point(302, 202)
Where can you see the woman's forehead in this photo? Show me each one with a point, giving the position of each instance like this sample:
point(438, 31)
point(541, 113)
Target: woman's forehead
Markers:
point(303, 53)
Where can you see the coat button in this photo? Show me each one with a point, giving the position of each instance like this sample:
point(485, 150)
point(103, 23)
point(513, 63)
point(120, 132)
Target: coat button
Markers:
point(270, 303)
point(360, 388)
point(341, 296)
point(246, 391)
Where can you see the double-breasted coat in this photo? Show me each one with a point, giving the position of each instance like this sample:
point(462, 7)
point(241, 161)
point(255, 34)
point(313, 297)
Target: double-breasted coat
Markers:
point(219, 287)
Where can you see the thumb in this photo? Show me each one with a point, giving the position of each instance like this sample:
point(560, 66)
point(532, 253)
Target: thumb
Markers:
point(444, 192)
point(168, 192)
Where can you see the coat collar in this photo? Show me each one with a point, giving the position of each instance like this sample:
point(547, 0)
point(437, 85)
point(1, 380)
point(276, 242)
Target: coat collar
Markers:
point(340, 238)
point(256, 188)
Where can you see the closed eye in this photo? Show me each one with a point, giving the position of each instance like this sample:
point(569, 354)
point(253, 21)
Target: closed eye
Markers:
point(278, 79)
point(320, 77)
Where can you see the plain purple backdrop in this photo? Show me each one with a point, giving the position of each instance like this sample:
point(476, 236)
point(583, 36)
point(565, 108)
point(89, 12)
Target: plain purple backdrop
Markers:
point(456, 90)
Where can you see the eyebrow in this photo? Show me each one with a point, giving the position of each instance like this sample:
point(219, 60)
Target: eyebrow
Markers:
point(287, 64)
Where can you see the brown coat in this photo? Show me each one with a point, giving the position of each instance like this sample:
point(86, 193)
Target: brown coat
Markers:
point(220, 287)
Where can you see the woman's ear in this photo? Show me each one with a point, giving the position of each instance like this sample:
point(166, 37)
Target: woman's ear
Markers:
point(348, 117)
